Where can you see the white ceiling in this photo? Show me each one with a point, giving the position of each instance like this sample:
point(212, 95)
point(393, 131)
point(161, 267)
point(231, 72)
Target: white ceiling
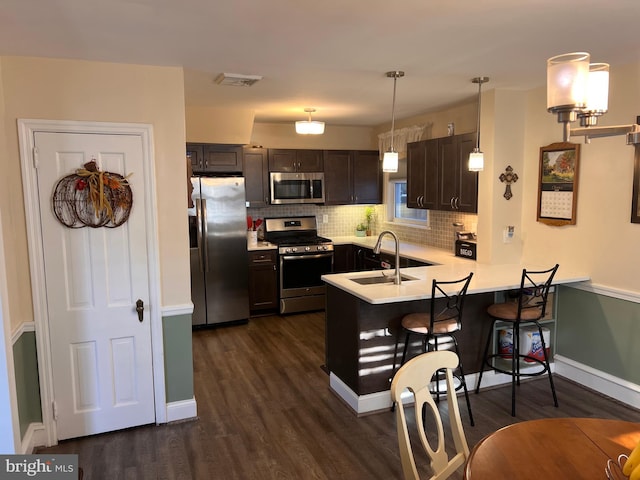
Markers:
point(331, 55)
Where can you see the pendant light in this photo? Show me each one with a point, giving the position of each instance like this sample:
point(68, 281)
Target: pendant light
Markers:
point(309, 127)
point(390, 158)
point(476, 157)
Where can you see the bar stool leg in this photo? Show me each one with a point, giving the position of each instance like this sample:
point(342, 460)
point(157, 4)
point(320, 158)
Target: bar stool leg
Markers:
point(404, 356)
point(484, 356)
point(546, 362)
point(463, 382)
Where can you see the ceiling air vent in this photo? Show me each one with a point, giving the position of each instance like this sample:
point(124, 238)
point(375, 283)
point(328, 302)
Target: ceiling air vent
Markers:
point(237, 79)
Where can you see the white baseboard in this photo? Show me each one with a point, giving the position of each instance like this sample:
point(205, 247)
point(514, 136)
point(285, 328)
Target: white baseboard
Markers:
point(614, 387)
point(378, 401)
point(35, 436)
point(360, 403)
point(182, 410)
point(602, 382)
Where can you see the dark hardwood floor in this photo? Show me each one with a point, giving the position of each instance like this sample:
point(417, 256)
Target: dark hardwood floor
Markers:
point(265, 411)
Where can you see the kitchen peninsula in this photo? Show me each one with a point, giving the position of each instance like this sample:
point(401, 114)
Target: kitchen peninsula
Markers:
point(362, 319)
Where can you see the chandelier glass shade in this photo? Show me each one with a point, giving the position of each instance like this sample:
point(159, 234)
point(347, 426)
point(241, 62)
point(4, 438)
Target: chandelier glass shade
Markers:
point(309, 127)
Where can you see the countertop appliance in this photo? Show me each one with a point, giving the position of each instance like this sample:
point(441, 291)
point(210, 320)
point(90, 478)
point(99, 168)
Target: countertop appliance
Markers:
point(218, 250)
point(296, 187)
point(303, 258)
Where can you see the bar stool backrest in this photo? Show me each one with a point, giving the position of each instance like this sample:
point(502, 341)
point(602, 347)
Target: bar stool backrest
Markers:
point(453, 302)
point(534, 290)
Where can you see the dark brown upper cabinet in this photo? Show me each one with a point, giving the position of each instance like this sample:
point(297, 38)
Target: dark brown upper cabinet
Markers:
point(291, 160)
point(215, 158)
point(352, 177)
point(256, 176)
point(438, 177)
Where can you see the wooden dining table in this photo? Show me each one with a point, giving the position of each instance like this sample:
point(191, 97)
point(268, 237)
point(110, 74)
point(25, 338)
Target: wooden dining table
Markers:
point(551, 448)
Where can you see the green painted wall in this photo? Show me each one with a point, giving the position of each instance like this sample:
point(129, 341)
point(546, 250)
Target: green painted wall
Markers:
point(178, 357)
point(600, 331)
point(25, 362)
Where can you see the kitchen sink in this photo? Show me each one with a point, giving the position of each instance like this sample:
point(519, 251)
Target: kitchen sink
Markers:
point(380, 279)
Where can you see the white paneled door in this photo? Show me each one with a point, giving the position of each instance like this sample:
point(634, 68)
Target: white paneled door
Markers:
point(100, 347)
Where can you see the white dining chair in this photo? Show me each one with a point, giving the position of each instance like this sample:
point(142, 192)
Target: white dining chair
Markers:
point(415, 376)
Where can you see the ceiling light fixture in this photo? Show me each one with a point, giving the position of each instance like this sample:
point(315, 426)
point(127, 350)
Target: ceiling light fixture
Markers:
point(390, 158)
point(577, 89)
point(476, 157)
point(309, 127)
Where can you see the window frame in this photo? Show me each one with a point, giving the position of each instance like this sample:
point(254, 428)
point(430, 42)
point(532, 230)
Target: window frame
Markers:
point(391, 208)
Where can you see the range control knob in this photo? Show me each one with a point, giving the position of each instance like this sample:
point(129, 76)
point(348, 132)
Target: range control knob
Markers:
point(307, 249)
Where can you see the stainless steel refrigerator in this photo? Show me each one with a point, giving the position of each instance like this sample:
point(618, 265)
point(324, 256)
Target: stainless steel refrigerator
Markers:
point(218, 248)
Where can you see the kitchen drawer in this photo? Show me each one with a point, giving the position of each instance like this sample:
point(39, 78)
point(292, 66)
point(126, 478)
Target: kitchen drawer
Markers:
point(261, 257)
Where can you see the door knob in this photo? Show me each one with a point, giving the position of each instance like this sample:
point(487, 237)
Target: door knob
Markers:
point(140, 309)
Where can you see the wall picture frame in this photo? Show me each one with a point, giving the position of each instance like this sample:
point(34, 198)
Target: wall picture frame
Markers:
point(558, 183)
point(635, 199)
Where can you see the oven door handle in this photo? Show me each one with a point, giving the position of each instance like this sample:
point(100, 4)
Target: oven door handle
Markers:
point(306, 255)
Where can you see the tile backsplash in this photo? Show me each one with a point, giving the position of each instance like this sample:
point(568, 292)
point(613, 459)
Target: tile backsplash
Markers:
point(342, 221)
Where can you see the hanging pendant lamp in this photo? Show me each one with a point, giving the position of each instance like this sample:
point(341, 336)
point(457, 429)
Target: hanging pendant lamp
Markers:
point(390, 158)
point(476, 157)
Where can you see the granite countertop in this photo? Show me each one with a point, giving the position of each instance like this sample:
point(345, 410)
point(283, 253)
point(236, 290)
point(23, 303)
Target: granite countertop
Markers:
point(423, 253)
point(261, 245)
point(486, 278)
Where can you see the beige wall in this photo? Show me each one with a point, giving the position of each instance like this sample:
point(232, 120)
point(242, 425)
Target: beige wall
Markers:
point(218, 125)
point(463, 116)
point(335, 137)
point(92, 91)
point(502, 133)
point(603, 242)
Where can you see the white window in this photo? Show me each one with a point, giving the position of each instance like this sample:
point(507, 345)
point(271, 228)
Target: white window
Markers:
point(397, 206)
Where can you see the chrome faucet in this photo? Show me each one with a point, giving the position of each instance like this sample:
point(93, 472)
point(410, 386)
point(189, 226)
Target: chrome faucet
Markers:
point(396, 279)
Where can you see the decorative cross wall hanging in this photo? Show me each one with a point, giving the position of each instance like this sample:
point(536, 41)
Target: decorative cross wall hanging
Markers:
point(508, 177)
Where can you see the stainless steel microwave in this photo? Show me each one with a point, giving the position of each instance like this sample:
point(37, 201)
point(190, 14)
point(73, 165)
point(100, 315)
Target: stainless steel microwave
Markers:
point(297, 187)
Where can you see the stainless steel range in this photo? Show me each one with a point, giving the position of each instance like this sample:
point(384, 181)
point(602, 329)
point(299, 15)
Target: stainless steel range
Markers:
point(303, 257)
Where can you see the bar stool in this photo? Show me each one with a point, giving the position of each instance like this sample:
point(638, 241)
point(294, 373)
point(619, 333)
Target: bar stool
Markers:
point(528, 310)
point(438, 326)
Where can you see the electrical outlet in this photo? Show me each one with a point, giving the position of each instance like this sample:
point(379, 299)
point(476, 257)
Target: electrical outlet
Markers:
point(325, 218)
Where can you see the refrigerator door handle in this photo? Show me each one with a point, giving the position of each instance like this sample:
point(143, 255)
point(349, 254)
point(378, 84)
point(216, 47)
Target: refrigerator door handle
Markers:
point(205, 232)
point(199, 224)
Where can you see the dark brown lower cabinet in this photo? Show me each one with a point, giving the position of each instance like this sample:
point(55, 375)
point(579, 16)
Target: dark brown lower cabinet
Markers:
point(263, 281)
point(343, 258)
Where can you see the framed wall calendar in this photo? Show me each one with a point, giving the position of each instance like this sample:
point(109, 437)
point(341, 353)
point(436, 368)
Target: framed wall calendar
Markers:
point(558, 183)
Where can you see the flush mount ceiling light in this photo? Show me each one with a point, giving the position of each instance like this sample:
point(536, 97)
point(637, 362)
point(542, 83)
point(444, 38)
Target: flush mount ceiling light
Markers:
point(476, 157)
point(390, 158)
point(309, 127)
point(237, 79)
point(577, 89)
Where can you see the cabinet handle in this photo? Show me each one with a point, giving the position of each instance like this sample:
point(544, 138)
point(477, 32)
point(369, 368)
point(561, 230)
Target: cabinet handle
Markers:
point(422, 200)
point(274, 267)
point(451, 203)
point(457, 202)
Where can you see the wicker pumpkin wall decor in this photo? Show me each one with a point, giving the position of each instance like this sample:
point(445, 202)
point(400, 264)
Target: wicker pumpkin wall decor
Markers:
point(92, 198)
